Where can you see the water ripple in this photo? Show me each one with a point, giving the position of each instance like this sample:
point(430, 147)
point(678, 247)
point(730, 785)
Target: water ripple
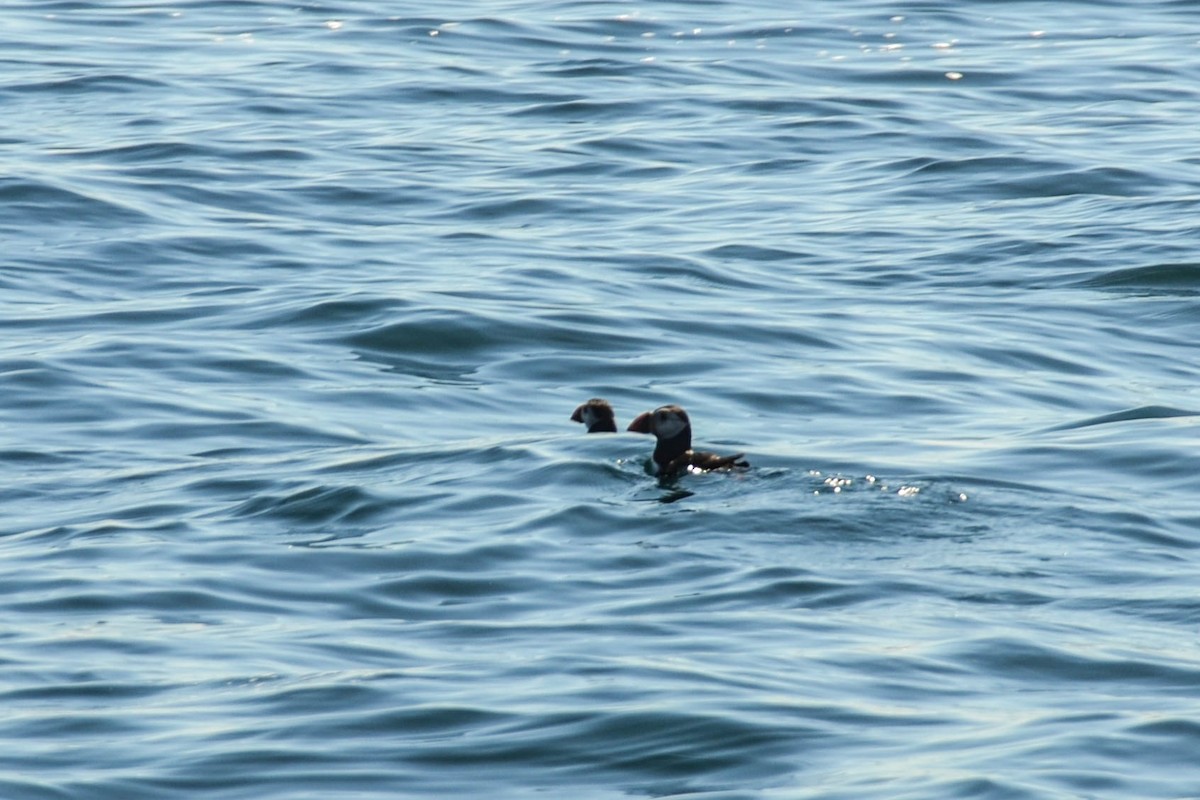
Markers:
point(298, 300)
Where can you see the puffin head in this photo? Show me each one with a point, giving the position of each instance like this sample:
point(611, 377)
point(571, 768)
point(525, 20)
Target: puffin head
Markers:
point(596, 415)
point(665, 422)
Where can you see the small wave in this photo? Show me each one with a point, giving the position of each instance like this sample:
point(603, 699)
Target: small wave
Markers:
point(1128, 415)
point(1022, 177)
point(325, 314)
point(1178, 278)
point(315, 505)
point(44, 204)
point(1025, 659)
point(749, 252)
point(593, 68)
point(446, 342)
point(576, 108)
point(112, 82)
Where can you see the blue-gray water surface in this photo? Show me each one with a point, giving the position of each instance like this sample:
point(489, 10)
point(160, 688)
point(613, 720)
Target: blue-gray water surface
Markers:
point(297, 300)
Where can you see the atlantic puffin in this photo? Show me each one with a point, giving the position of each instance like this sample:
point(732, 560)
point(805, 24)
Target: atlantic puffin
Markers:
point(673, 451)
point(597, 415)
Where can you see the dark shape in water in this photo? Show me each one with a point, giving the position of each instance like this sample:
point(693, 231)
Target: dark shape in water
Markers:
point(673, 453)
point(598, 415)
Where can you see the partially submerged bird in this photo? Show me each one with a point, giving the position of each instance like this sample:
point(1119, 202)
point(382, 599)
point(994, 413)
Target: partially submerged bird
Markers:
point(673, 451)
point(597, 416)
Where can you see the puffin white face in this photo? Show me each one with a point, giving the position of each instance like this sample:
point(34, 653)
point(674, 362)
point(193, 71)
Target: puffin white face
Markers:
point(589, 416)
point(669, 422)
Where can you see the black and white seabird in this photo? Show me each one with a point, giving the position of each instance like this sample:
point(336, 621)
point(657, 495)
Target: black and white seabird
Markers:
point(673, 451)
point(597, 416)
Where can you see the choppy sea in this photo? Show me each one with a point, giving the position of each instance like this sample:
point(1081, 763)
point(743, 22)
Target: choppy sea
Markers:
point(296, 300)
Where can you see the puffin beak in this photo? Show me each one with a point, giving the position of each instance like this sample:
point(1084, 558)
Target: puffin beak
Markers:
point(578, 415)
point(642, 423)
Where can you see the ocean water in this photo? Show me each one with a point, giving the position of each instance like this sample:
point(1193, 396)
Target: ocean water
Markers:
point(296, 300)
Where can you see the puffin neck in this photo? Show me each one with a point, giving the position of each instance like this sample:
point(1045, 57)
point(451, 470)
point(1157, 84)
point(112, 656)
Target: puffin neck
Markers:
point(667, 450)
